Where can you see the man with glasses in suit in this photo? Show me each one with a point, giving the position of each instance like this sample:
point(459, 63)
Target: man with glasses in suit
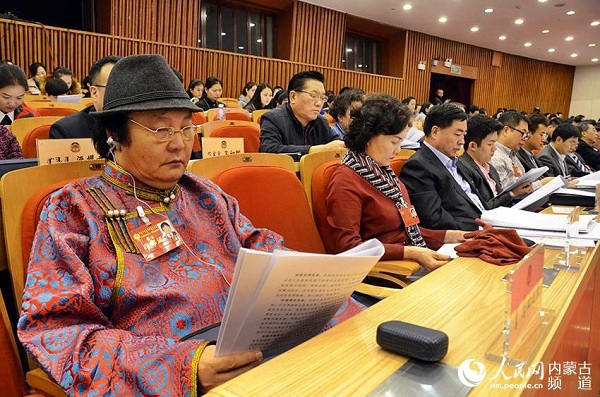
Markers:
point(298, 128)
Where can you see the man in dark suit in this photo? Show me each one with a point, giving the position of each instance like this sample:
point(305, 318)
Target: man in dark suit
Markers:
point(480, 145)
point(587, 142)
point(80, 124)
point(576, 165)
point(564, 139)
point(537, 125)
point(435, 180)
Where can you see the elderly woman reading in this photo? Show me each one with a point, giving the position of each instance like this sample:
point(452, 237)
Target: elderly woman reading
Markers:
point(106, 301)
point(366, 200)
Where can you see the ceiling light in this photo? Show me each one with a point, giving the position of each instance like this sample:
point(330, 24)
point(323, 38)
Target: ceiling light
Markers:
point(475, 29)
point(252, 25)
point(348, 49)
point(443, 20)
point(570, 12)
point(595, 23)
point(594, 59)
point(407, 7)
point(592, 45)
point(569, 38)
point(240, 48)
point(519, 21)
point(259, 40)
point(542, 1)
point(223, 34)
point(573, 55)
point(528, 44)
point(503, 37)
point(546, 31)
point(551, 49)
point(488, 10)
point(360, 65)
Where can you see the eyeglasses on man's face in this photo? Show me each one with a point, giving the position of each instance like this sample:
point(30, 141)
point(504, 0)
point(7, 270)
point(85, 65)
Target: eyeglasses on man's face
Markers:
point(315, 95)
point(164, 134)
point(524, 134)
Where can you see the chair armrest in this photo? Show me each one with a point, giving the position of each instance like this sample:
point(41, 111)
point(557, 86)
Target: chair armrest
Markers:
point(401, 267)
point(38, 380)
point(376, 291)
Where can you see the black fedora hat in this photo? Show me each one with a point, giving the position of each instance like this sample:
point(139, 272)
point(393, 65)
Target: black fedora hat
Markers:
point(143, 82)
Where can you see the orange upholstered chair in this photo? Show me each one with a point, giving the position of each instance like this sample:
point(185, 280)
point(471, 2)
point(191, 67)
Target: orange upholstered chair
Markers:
point(250, 133)
point(329, 118)
point(198, 118)
point(257, 115)
point(56, 111)
point(230, 103)
point(29, 146)
point(269, 194)
point(398, 162)
point(21, 206)
point(229, 113)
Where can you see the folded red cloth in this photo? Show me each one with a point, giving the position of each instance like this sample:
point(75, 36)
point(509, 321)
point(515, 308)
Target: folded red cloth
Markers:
point(497, 246)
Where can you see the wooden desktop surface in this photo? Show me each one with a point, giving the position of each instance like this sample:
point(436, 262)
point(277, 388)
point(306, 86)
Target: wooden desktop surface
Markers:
point(465, 299)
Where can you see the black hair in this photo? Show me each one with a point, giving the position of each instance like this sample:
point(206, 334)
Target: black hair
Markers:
point(566, 131)
point(556, 121)
point(443, 116)
point(116, 127)
point(380, 114)
point(344, 101)
point(256, 98)
point(343, 89)
point(583, 126)
point(407, 100)
point(473, 108)
point(164, 224)
point(209, 83)
point(193, 84)
point(536, 119)
point(59, 72)
point(298, 80)
point(34, 67)
point(56, 87)
point(248, 85)
point(579, 118)
point(479, 126)
point(512, 118)
point(281, 96)
point(98, 65)
point(426, 106)
point(11, 75)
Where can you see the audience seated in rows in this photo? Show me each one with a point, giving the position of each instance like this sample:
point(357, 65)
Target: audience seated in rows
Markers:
point(298, 127)
point(367, 200)
point(247, 93)
point(537, 126)
point(37, 71)
point(564, 139)
point(81, 124)
point(263, 95)
point(67, 76)
point(480, 145)
point(435, 180)
point(195, 90)
point(586, 148)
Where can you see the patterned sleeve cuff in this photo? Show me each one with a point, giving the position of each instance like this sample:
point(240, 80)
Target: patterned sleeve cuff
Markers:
point(194, 386)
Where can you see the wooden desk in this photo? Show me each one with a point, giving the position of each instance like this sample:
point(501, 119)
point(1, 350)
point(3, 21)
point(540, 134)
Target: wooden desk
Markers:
point(465, 299)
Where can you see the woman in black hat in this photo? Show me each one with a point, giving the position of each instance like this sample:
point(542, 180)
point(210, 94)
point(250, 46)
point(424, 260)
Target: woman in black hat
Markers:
point(107, 303)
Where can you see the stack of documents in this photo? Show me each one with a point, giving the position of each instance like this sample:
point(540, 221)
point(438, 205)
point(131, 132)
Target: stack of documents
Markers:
point(281, 299)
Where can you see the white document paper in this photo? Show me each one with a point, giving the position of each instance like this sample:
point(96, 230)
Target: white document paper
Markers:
point(588, 181)
point(448, 249)
point(575, 192)
point(541, 194)
point(281, 299)
point(530, 176)
point(519, 219)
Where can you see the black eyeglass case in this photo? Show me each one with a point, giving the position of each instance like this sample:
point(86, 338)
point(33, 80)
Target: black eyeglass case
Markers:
point(413, 341)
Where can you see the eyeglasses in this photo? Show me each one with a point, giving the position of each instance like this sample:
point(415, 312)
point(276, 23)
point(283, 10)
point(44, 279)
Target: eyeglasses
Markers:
point(524, 134)
point(99, 85)
point(164, 134)
point(315, 95)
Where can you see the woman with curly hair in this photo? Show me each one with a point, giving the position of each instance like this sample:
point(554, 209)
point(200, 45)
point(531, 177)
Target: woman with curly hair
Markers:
point(367, 200)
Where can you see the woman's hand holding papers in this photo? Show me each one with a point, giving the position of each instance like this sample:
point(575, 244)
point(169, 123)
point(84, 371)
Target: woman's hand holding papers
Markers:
point(213, 371)
point(427, 258)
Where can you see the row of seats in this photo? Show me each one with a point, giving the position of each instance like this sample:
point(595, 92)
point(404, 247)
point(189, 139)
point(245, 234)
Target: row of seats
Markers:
point(266, 186)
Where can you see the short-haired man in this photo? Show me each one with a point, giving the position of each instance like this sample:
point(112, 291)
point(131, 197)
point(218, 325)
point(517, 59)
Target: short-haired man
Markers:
point(438, 99)
point(80, 124)
point(538, 124)
point(480, 145)
point(343, 105)
point(436, 181)
point(564, 138)
point(298, 127)
point(510, 139)
point(587, 142)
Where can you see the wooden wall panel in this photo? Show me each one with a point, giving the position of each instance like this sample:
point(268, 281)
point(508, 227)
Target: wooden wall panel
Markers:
point(318, 35)
point(519, 82)
point(170, 21)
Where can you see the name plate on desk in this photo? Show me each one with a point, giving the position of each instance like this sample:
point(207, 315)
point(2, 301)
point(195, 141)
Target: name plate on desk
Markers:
point(213, 147)
point(56, 151)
